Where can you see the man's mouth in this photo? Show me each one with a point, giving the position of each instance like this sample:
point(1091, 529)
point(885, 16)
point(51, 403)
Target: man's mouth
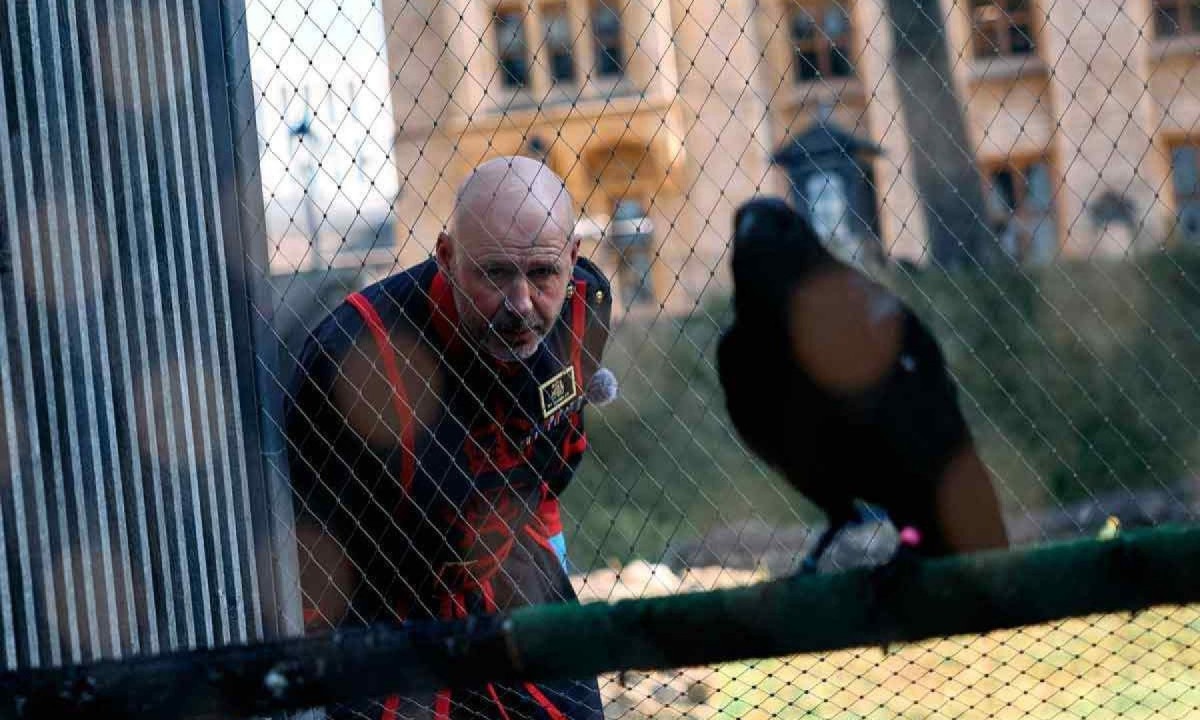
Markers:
point(519, 335)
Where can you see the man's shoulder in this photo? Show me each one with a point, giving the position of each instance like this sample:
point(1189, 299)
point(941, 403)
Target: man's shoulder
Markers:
point(597, 288)
point(589, 273)
point(591, 282)
point(398, 292)
point(397, 296)
point(598, 291)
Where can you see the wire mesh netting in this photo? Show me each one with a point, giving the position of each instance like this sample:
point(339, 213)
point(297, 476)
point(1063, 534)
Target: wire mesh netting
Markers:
point(1057, 273)
point(1061, 284)
point(396, 427)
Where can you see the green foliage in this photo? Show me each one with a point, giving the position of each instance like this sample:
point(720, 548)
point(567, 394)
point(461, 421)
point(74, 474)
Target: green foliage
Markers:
point(1078, 379)
point(665, 464)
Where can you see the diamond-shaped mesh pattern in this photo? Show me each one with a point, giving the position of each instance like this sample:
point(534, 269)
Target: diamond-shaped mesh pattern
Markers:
point(1025, 173)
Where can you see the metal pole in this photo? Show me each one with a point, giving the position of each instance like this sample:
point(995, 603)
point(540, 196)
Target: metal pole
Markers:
point(804, 614)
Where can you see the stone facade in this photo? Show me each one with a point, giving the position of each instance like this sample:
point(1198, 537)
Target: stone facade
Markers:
point(1073, 109)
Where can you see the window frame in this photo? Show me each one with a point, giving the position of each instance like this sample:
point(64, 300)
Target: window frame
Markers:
point(601, 48)
point(504, 53)
point(1019, 167)
point(1194, 145)
point(1180, 201)
point(550, 12)
point(1187, 17)
point(997, 32)
point(821, 45)
point(635, 260)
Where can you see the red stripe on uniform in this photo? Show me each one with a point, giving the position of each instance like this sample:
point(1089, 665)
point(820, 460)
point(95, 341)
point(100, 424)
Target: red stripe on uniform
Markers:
point(310, 615)
point(441, 706)
point(496, 699)
point(553, 712)
point(399, 396)
point(540, 539)
point(578, 316)
point(444, 314)
point(548, 513)
point(489, 596)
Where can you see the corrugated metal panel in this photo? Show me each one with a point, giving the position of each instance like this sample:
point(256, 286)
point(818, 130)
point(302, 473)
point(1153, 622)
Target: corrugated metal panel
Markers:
point(128, 475)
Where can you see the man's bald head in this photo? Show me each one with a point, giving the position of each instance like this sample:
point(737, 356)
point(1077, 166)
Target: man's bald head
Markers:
point(509, 252)
point(512, 195)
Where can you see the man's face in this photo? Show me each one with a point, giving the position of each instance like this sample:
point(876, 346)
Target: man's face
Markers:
point(510, 280)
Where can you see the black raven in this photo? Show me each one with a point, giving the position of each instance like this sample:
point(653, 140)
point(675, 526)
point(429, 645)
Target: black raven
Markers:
point(838, 385)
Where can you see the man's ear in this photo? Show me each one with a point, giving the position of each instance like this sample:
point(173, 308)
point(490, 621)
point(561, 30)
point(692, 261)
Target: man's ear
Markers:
point(444, 253)
point(575, 250)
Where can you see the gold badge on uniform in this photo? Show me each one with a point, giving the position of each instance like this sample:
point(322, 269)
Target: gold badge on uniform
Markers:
point(557, 392)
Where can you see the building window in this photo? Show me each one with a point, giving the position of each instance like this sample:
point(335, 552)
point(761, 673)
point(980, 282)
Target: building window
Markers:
point(1002, 27)
point(821, 41)
point(512, 48)
point(1020, 205)
point(606, 31)
point(631, 234)
point(558, 43)
point(1185, 176)
point(827, 203)
point(1176, 17)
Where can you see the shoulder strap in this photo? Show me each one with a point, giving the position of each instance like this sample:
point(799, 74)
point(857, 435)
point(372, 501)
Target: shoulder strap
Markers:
point(578, 323)
point(399, 396)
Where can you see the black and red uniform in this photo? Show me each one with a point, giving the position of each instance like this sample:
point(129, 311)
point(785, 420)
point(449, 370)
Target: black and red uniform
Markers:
point(456, 512)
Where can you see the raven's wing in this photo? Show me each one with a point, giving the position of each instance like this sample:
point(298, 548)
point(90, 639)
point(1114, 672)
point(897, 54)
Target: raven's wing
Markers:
point(741, 386)
point(933, 444)
point(782, 420)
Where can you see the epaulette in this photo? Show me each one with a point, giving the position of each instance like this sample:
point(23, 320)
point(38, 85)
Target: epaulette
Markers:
point(599, 316)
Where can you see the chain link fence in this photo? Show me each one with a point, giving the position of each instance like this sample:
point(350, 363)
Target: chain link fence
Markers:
point(1024, 173)
point(1027, 181)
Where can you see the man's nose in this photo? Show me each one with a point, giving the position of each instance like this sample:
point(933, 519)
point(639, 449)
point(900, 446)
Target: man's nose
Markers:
point(520, 297)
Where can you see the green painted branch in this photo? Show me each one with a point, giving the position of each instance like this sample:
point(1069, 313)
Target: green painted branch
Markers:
point(972, 594)
point(961, 595)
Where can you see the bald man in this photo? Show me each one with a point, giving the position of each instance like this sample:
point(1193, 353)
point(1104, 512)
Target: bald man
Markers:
point(435, 419)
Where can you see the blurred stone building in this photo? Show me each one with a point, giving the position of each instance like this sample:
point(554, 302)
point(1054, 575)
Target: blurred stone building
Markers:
point(663, 116)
